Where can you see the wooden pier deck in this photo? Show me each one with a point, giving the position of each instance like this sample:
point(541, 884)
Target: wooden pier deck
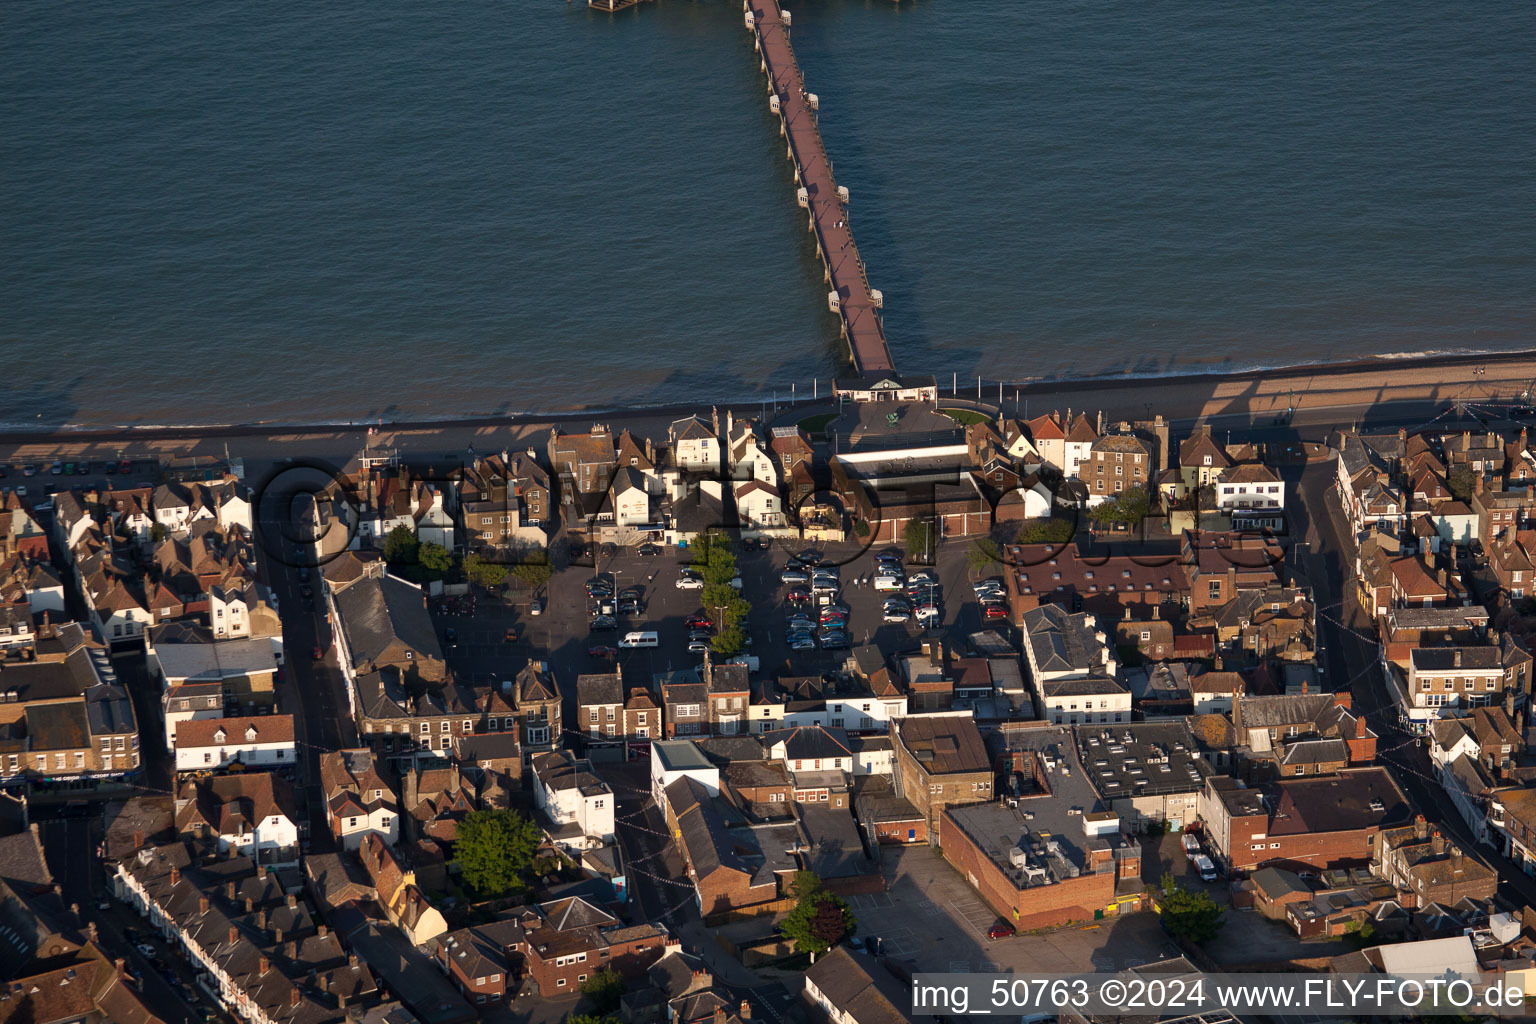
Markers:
point(845, 273)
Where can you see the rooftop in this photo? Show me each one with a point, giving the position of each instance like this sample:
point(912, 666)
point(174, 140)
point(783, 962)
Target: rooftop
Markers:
point(1142, 759)
point(944, 746)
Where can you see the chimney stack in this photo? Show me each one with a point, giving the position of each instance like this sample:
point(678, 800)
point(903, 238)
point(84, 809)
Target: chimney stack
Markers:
point(745, 1012)
point(121, 966)
point(263, 966)
point(294, 996)
point(234, 935)
point(203, 905)
point(1360, 728)
point(321, 931)
point(229, 891)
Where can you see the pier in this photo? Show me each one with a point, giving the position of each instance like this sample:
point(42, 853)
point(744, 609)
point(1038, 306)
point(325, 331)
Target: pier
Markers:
point(851, 297)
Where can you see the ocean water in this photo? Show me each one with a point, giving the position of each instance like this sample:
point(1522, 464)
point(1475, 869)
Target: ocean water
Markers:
point(240, 212)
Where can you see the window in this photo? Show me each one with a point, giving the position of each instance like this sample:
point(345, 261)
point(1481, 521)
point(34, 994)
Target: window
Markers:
point(207, 759)
point(1146, 635)
point(79, 759)
point(560, 983)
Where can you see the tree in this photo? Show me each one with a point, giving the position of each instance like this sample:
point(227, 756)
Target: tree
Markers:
point(1461, 481)
point(715, 560)
point(1046, 531)
point(1189, 915)
point(400, 546)
point(533, 571)
point(589, 1018)
point(494, 850)
point(604, 989)
point(820, 919)
point(157, 532)
point(1126, 509)
point(433, 556)
point(983, 555)
point(483, 573)
point(919, 539)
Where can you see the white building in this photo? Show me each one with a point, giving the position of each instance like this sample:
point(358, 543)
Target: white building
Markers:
point(748, 460)
point(758, 504)
point(674, 759)
point(1073, 668)
point(263, 741)
point(1252, 494)
point(576, 801)
point(694, 445)
point(630, 497)
point(434, 522)
point(251, 813)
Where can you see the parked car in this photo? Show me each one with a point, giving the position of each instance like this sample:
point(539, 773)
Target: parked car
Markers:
point(798, 595)
point(924, 576)
point(630, 592)
point(895, 615)
point(650, 550)
point(689, 583)
point(810, 556)
point(1001, 930)
point(802, 644)
point(926, 612)
point(887, 583)
point(699, 634)
point(536, 607)
point(793, 576)
point(994, 611)
point(700, 622)
point(698, 647)
point(601, 623)
point(602, 651)
point(513, 634)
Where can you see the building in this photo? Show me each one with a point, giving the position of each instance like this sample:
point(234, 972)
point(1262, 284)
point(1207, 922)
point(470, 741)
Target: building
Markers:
point(578, 803)
point(1148, 773)
point(584, 462)
point(205, 679)
point(251, 814)
point(600, 708)
point(1073, 667)
point(1116, 463)
point(685, 703)
point(1048, 856)
point(1105, 585)
point(940, 762)
point(1301, 824)
point(846, 987)
point(727, 873)
point(402, 901)
point(675, 759)
point(214, 744)
point(359, 797)
point(1426, 868)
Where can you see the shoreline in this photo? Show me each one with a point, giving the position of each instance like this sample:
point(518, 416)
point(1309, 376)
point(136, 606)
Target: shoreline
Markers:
point(1316, 373)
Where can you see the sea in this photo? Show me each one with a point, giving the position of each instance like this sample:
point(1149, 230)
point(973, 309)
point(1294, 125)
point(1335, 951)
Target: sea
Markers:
point(327, 212)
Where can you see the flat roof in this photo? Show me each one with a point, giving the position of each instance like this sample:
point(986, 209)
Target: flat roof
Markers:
point(680, 755)
point(1141, 759)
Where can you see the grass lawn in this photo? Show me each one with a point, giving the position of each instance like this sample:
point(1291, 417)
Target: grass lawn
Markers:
point(965, 417)
point(817, 425)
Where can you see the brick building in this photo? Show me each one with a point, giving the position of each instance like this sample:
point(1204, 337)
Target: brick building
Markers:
point(1301, 824)
point(941, 762)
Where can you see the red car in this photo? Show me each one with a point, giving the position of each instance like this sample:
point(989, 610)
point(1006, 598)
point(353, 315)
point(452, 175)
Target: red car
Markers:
point(1000, 930)
point(700, 622)
point(798, 596)
point(602, 651)
point(994, 611)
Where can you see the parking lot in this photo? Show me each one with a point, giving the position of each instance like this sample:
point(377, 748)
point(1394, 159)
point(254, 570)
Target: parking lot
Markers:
point(481, 655)
point(931, 917)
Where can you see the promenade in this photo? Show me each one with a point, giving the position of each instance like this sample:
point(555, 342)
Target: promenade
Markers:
point(813, 171)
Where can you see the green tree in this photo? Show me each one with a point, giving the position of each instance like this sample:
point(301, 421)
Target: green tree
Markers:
point(604, 989)
point(495, 849)
point(919, 539)
point(1126, 509)
point(1189, 915)
point(533, 571)
point(434, 556)
point(483, 573)
point(1046, 531)
point(157, 532)
point(589, 1018)
point(820, 919)
point(715, 560)
point(400, 546)
point(983, 555)
point(1461, 481)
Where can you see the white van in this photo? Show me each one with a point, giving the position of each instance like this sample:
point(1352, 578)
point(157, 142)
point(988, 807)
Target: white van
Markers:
point(1206, 867)
point(888, 583)
point(639, 640)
